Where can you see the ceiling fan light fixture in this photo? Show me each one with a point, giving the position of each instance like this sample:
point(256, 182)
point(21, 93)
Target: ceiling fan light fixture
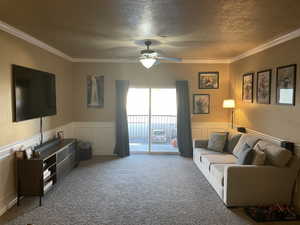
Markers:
point(147, 62)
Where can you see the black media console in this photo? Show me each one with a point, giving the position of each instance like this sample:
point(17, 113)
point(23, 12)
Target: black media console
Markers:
point(35, 177)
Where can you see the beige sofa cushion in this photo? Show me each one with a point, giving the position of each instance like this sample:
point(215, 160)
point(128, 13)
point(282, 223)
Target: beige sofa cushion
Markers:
point(209, 160)
point(275, 155)
point(251, 140)
point(217, 171)
point(204, 151)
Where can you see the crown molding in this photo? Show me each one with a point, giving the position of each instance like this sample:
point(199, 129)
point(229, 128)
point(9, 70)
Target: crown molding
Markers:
point(91, 60)
point(32, 40)
point(204, 61)
point(267, 45)
point(184, 60)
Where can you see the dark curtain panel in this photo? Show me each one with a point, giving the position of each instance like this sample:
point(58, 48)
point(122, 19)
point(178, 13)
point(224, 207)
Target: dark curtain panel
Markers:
point(122, 140)
point(184, 133)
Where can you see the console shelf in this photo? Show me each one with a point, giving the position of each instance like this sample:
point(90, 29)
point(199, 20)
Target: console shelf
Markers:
point(35, 177)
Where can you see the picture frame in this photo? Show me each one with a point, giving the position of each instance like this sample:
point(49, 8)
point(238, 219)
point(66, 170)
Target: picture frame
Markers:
point(201, 103)
point(286, 79)
point(20, 155)
point(208, 80)
point(264, 86)
point(28, 153)
point(247, 89)
point(95, 91)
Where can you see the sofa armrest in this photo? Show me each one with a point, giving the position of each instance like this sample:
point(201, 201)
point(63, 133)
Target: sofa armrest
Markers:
point(257, 185)
point(200, 143)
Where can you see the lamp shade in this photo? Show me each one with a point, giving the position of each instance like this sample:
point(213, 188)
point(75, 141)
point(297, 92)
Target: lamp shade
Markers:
point(229, 103)
point(147, 62)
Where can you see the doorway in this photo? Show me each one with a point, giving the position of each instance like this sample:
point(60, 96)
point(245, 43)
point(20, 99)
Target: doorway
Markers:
point(152, 119)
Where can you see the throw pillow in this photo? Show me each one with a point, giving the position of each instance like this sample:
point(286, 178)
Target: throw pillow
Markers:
point(259, 157)
point(217, 141)
point(245, 156)
point(251, 140)
point(275, 155)
point(232, 142)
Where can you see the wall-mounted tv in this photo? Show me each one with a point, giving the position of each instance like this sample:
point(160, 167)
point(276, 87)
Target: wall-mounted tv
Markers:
point(33, 93)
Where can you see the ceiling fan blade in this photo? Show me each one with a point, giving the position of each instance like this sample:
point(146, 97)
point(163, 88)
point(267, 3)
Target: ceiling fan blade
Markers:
point(157, 62)
point(170, 59)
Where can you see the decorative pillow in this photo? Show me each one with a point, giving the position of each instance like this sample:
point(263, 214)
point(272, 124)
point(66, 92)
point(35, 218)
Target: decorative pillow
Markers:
point(245, 157)
point(217, 141)
point(259, 157)
point(275, 155)
point(232, 142)
point(251, 140)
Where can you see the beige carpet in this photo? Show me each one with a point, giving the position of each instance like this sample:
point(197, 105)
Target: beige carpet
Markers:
point(137, 190)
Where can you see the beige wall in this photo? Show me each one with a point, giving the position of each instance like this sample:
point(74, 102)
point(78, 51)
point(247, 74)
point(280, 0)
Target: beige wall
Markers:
point(163, 75)
point(276, 120)
point(16, 51)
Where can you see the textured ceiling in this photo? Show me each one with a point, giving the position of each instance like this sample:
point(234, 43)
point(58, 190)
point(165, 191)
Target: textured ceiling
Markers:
point(205, 29)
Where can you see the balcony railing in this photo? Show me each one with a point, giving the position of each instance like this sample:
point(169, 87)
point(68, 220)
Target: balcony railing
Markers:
point(163, 128)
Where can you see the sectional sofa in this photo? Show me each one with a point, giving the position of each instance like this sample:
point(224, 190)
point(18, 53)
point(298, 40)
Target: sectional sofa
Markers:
point(249, 185)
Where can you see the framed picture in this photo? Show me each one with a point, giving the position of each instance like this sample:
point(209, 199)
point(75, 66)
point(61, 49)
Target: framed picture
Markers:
point(286, 84)
point(247, 90)
point(28, 153)
point(95, 91)
point(208, 80)
point(263, 88)
point(201, 103)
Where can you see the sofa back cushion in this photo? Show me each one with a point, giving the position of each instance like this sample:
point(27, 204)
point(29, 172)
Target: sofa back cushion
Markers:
point(232, 142)
point(217, 141)
point(275, 155)
point(251, 140)
point(245, 157)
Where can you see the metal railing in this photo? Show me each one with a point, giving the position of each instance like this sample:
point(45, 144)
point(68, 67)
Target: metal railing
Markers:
point(163, 128)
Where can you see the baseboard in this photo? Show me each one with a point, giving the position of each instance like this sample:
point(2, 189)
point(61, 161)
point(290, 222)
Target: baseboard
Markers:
point(153, 153)
point(8, 206)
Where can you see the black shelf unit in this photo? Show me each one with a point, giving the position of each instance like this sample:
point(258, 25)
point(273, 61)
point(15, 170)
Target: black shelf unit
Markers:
point(58, 157)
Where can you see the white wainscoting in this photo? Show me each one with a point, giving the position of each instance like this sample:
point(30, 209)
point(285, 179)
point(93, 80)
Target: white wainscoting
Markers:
point(7, 164)
point(203, 130)
point(102, 137)
point(35, 140)
point(100, 134)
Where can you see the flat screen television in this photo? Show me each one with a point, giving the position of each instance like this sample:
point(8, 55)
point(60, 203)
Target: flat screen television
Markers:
point(33, 93)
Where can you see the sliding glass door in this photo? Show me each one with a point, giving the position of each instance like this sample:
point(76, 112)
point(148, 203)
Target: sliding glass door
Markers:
point(152, 120)
point(138, 109)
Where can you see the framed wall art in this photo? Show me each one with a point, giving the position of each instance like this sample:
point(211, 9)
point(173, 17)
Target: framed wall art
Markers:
point(201, 103)
point(263, 88)
point(247, 89)
point(95, 91)
point(208, 80)
point(286, 84)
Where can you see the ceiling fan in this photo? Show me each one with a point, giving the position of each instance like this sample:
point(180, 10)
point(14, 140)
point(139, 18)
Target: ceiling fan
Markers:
point(149, 57)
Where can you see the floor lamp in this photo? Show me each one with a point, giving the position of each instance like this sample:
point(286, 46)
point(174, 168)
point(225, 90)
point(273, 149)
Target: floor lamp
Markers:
point(229, 104)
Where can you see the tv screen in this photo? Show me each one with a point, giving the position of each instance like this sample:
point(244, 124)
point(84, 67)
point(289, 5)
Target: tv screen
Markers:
point(34, 93)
